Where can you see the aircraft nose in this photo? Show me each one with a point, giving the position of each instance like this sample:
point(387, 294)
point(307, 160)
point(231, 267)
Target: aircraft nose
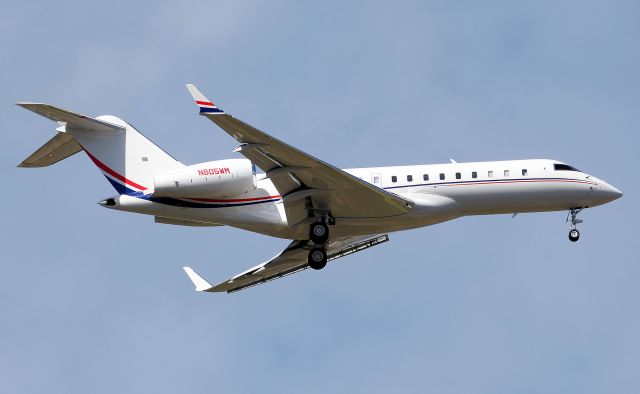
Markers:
point(608, 193)
point(615, 193)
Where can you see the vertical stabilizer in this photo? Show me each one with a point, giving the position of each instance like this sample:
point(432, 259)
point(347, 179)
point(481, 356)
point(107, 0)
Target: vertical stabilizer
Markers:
point(127, 158)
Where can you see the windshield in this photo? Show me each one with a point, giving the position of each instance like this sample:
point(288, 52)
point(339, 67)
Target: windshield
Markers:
point(564, 167)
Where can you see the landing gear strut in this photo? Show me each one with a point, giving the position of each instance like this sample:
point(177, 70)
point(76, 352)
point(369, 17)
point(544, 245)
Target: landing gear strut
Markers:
point(574, 234)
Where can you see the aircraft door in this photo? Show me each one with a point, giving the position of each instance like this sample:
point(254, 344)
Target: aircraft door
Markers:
point(376, 179)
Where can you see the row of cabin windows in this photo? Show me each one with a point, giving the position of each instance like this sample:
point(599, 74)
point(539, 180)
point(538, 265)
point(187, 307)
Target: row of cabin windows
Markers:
point(474, 175)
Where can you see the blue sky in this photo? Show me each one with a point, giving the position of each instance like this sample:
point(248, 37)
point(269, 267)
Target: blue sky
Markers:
point(95, 300)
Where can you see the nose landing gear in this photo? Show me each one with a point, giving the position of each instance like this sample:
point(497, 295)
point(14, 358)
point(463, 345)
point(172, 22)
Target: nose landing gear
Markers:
point(574, 234)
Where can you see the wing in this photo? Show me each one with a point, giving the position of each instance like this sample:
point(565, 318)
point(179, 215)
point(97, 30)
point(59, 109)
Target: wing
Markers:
point(293, 259)
point(306, 183)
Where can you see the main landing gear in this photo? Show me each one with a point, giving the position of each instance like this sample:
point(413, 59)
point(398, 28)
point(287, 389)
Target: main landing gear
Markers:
point(319, 235)
point(317, 258)
point(574, 234)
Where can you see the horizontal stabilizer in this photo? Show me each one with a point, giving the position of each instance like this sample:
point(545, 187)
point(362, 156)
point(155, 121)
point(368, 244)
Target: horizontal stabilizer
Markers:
point(57, 148)
point(198, 281)
point(69, 118)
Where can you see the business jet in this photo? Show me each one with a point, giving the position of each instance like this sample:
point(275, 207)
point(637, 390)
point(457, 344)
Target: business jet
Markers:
point(327, 212)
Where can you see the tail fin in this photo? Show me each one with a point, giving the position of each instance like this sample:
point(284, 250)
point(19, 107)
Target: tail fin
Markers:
point(126, 158)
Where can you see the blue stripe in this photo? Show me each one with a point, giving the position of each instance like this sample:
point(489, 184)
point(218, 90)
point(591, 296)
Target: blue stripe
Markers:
point(210, 110)
point(120, 188)
point(192, 204)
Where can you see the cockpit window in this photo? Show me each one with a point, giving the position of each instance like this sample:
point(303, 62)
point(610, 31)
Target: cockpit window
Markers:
point(564, 167)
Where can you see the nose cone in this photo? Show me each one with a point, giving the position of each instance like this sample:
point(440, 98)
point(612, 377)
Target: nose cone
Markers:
point(614, 193)
point(601, 192)
point(606, 193)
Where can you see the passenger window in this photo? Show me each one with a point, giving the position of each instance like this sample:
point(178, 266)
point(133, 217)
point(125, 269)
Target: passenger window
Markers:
point(376, 179)
point(441, 176)
point(394, 179)
point(524, 172)
point(490, 174)
point(409, 178)
point(474, 174)
point(458, 175)
point(506, 172)
point(425, 177)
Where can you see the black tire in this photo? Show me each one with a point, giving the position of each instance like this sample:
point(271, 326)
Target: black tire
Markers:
point(574, 235)
point(317, 258)
point(319, 233)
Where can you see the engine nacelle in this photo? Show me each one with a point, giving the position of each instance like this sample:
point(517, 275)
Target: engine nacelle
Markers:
point(220, 178)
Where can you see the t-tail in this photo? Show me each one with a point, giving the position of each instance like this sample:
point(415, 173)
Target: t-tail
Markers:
point(127, 159)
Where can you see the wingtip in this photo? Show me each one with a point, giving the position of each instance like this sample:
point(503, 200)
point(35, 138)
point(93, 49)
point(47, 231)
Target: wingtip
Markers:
point(25, 104)
point(192, 88)
point(196, 93)
point(207, 107)
point(200, 283)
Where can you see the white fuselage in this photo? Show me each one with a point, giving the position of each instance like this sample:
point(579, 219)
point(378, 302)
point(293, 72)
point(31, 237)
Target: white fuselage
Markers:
point(439, 192)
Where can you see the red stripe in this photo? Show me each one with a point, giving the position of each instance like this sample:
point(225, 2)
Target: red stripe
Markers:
point(235, 200)
point(205, 103)
point(114, 174)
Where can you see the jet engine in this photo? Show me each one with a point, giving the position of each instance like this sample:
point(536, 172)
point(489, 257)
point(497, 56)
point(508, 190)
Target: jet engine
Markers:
point(220, 178)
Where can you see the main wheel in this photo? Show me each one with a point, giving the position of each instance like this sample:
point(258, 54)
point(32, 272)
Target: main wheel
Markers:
point(319, 233)
point(574, 235)
point(317, 258)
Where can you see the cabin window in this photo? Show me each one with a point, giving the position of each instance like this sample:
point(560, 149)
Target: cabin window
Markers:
point(425, 177)
point(490, 174)
point(524, 172)
point(506, 172)
point(458, 175)
point(409, 178)
point(474, 174)
point(394, 179)
point(376, 179)
point(441, 176)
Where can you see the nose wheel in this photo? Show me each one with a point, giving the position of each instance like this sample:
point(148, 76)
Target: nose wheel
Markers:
point(574, 234)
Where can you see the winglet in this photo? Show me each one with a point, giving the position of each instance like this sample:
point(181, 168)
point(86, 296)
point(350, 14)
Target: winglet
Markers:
point(201, 284)
point(207, 107)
